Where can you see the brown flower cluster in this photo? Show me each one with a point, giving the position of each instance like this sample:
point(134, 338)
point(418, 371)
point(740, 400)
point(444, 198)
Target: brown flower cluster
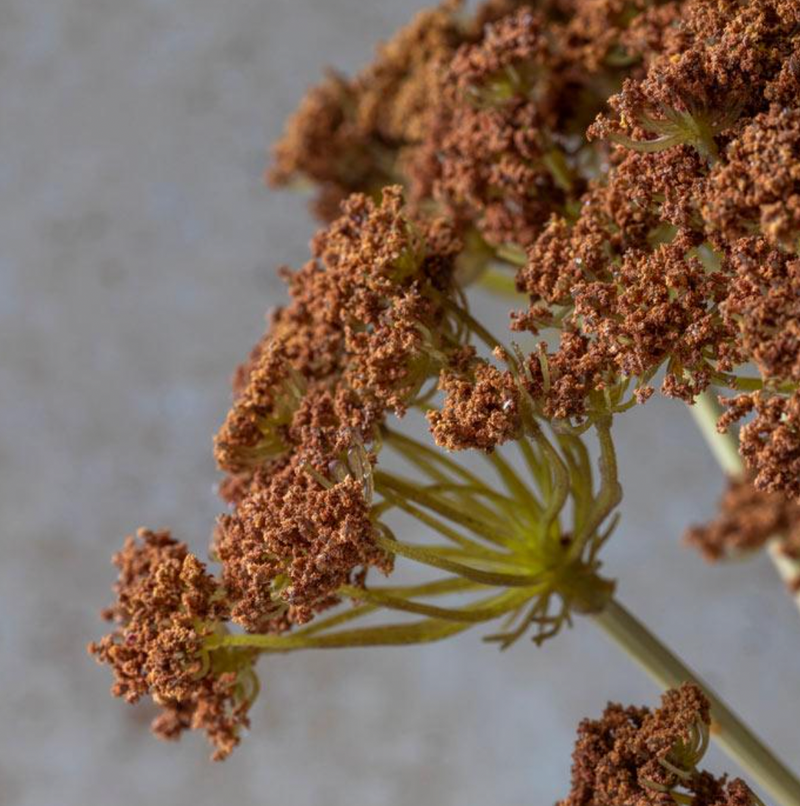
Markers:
point(167, 604)
point(290, 545)
point(365, 331)
point(683, 253)
point(346, 135)
point(482, 117)
point(770, 442)
point(747, 519)
point(638, 757)
point(481, 408)
point(665, 240)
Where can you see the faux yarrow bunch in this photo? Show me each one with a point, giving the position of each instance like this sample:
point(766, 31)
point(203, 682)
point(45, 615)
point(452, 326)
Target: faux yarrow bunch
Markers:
point(627, 172)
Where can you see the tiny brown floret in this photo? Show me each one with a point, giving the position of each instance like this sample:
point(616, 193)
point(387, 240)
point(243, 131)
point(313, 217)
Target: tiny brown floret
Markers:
point(290, 545)
point(629, 757)
point(481, 409)
point(747, 520)
point(167, 604)
point(770, 442)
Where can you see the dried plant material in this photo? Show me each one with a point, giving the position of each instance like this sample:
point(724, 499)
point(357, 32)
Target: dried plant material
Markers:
point(664, 238)
point(757, 185)
point(481, 409)
point(770, 442)
point(291, 544)
point(638, 757)
point(166, 606)
point(747, 520)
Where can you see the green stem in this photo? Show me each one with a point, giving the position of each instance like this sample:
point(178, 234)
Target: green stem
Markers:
point(512, 600)
point(725, 448)
point(402, 487)
point(610, 490)
point(731, 733)
point(431, 557)
point(706, 412)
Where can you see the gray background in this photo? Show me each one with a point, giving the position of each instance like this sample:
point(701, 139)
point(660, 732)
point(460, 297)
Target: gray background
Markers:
point(137, 250)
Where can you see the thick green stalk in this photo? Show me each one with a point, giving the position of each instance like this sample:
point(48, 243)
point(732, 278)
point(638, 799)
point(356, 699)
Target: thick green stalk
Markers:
point(725, 448)
point(732, 734)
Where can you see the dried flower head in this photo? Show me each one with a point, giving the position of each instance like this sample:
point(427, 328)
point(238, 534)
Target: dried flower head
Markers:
point(662, 241)
point(770, 442)
point(364, 330)
point(481, 409)
point(167, 605)
point(746, 521)
point(756, 188)
point(638, 757)
point(347, 133)
point(292, 542)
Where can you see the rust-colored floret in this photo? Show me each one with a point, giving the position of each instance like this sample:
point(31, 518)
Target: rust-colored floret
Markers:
point(167, 604)
point(770, 442)
point(757, 185)
point(481, 409)
point(291, 544)
point(747, 520)
point(636, 757)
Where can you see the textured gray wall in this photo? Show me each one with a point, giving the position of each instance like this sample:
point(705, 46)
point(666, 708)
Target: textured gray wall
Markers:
point(137, 249)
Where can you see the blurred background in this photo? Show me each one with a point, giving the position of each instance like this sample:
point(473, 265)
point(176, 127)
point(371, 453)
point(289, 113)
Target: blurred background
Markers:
point(137, 255)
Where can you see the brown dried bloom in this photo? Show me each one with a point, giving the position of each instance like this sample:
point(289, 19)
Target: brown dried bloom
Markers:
point(770, 442)
point(628, 307)
point(757, 186)
point(481, 409)
point(674, 247)
point(256, 428)
point(504, 149)
point(746, 521)
point(695, 94)
point(637, 757)
point(321, 143)
point(166, 606)
point(510, 48)
point(763, 304)
point(291, 543)
point(481, 116)
point(364, 330)
point(347, 133)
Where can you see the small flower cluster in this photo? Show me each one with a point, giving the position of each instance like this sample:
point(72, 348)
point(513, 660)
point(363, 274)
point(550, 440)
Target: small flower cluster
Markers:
point(747, 520)
point(167, 605)
point(638, 757)
point(667, 240)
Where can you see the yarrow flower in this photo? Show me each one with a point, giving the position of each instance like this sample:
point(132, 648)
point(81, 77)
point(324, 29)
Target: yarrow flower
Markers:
point(747, 520)
point(167, 605)
point(662, 237)
point(638, 757)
